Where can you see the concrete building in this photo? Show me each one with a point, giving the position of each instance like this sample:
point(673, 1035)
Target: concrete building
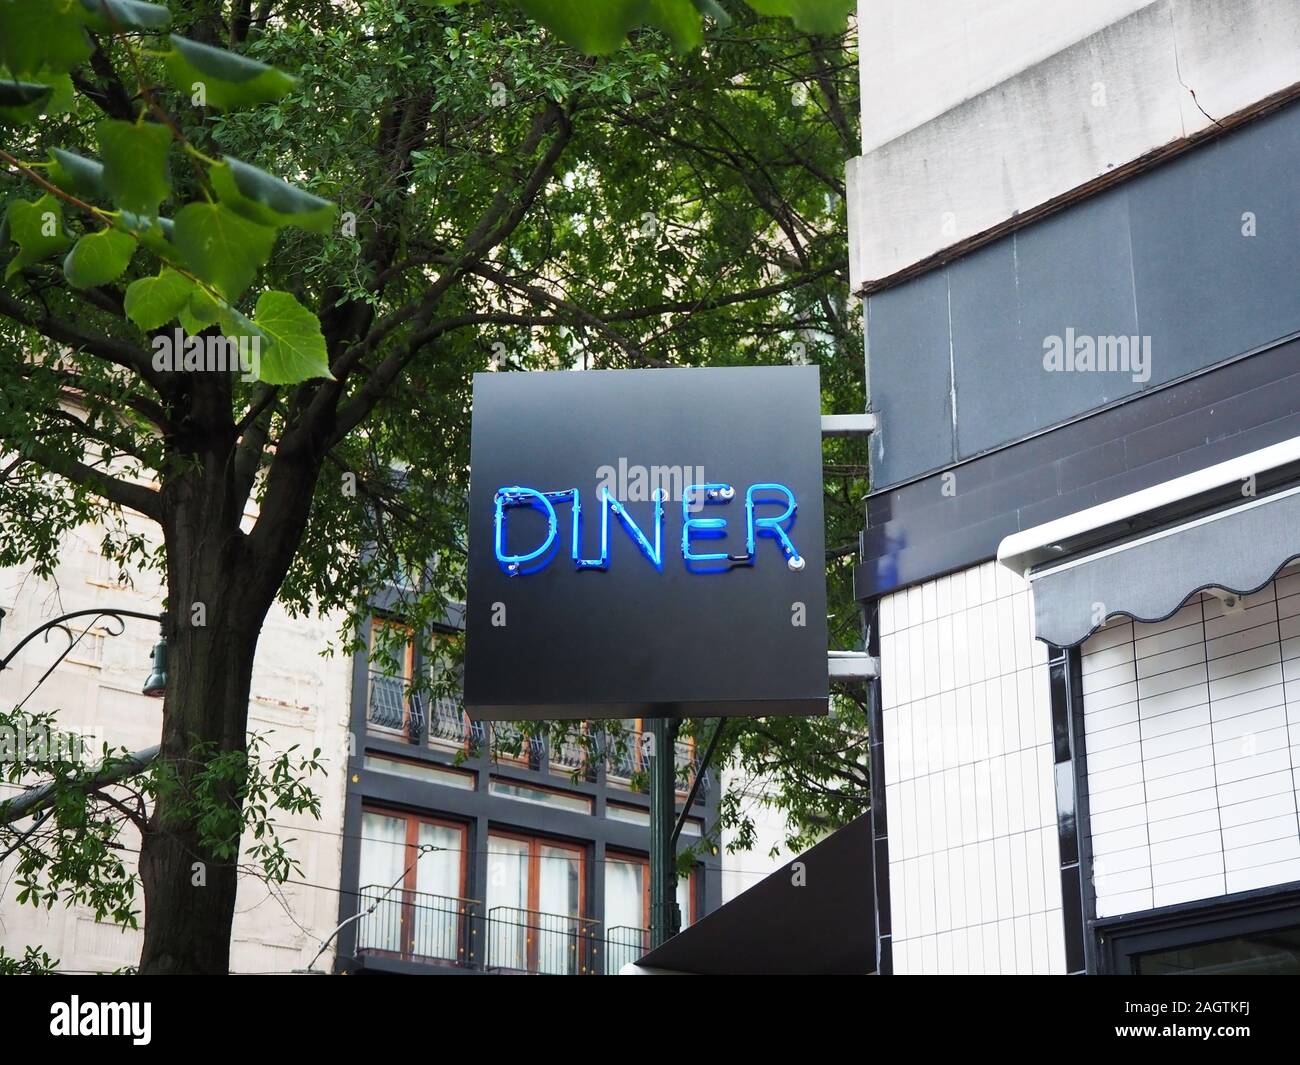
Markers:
point(1074, 231)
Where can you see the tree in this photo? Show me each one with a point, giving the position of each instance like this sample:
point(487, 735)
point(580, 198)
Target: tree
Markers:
point(468, 191)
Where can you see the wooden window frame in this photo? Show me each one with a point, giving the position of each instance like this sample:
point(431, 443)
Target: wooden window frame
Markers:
point(643, 860)
point(407, 675)
point(408, 888)
point(535, 845)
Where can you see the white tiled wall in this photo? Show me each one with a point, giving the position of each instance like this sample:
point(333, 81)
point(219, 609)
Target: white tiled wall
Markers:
point(974, 866)
point(1191, 753)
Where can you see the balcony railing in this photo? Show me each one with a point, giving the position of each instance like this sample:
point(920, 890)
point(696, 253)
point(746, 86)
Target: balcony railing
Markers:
point(511, 745)
point(623, 946)
point(416, 926)
point(443, 930)
point(390, 707)
point(624, 760)
point(528, 941)
point(448, 723)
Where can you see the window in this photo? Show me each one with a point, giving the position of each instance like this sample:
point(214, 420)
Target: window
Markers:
point(1253, 933)
point(633, 815)
point(413, 870)
point(536, 894)
point(627, 908)
point(1268, 953)
point(540, 796)
point(627, 755)
point(432, 774)
point(388, 707)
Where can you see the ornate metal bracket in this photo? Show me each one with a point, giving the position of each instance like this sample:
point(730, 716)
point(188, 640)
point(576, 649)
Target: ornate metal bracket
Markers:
point(116, 626)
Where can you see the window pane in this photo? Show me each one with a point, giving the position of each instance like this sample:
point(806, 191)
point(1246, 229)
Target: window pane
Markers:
point(684, 894)
point(383, 861)
point(507, 903)
point(523, 793)
point(434, 774)
point(436, 917)
point(560, 944)
point(625, 887)
point(1262, 953)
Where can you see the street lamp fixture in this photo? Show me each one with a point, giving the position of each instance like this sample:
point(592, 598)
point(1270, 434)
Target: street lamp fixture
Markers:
point(154, 687)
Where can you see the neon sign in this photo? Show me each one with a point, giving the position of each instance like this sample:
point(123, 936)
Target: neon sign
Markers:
point(777, 527)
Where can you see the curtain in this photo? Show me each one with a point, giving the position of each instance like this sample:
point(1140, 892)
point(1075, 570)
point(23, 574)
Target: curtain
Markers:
point(625, 885)
point(507, 901)
point(559, 897)
point(684, 900)
point(436, 918)
point(383, 860)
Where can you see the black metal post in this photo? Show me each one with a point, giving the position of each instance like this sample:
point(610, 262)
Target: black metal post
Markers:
point(665, 918)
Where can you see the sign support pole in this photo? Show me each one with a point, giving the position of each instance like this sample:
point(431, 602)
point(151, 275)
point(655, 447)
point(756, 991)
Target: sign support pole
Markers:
point(665, 918)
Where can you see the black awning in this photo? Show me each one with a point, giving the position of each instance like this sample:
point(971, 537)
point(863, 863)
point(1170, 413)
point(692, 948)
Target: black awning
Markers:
point(826, 926)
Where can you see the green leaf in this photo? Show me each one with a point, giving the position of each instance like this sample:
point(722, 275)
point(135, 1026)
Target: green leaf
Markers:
point(135, 164)
point(22, 102)
point(42, 33)
point(594, 28)
point(98, 258)
point(227, 80)
point(107, 15)
point(199, 313)
point(222, 247)
point(680, 19)
point(37, 229)
point(22, 93)
point(76, 174)
point(811, 16)
point(152, 302)
point(297, 351)
point(265, 199)
point(154, 233)
point(714, 11)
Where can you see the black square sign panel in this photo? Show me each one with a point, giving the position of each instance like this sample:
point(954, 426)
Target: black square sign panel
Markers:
point(646, 543)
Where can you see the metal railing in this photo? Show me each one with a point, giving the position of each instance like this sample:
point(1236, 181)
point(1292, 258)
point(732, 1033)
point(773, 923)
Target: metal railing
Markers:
point(389, 706)
point(417, 926)
point(529, 941)
point(624, 760)
point(510, 744)
point(448, 723)
point(623, 946)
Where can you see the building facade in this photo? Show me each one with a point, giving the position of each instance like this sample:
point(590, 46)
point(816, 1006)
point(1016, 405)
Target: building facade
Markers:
point(511, 854)
point(1074, 230)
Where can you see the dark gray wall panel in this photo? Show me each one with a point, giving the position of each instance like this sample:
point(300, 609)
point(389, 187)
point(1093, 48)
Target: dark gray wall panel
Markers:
point(1204, 289)
point(907, 331)
point(951, 520)
point(1072, 271)
point(1162, 255)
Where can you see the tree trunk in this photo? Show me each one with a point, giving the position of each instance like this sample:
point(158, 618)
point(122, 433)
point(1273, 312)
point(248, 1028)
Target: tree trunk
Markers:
point(189, 892)
point(216, 604)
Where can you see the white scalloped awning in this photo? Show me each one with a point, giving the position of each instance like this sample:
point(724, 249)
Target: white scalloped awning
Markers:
point(1092, 565)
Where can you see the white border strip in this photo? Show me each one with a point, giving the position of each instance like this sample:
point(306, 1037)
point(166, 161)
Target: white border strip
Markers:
point(1022, 551)
point(1043, 571)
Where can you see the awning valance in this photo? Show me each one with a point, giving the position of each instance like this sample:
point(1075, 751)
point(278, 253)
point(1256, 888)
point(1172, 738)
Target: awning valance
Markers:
point(1230, 527)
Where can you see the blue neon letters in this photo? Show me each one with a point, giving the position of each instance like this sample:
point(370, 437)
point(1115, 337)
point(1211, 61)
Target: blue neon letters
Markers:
point(693, 528)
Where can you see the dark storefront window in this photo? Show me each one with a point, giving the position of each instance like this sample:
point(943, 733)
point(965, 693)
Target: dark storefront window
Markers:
point(1254, 933)
point(1267, 953)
